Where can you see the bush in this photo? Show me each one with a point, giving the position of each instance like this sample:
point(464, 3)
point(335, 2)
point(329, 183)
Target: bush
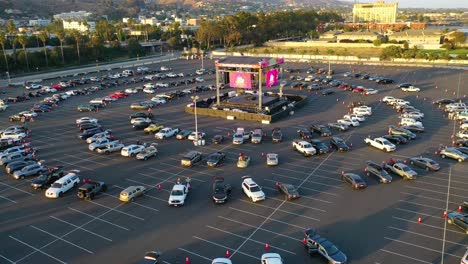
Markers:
point(377, 42)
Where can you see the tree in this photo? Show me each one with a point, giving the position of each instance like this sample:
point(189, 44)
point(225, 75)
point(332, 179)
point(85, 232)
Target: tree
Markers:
point(377, 42)
point(134, 48)
point(3, 39)
point(44, 36)
point(405, 45)
point(457, 37)
point(61, 37)
point(11, 30)
point(22, 39)
point(76, 35)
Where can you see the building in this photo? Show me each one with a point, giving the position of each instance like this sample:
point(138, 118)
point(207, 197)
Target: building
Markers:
point(152, 21)
point(419, 38)
point(193, 22)
point(78, 15)
point(39, 22)
point(79, 25)
point(358, 36)
point(379, 12)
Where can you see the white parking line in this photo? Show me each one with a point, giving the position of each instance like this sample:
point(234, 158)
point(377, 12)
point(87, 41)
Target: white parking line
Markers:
point(281, 210)
point(195, 254)
point(425, 197)
point(188, 169)
point(80, 228)
point(319, 191)
point(418, 246)
point(14, 187)
point(151, 186)
point(405, 256)
point(319, 183)
point(135, 203)
point(175, 174)
point(418, 234)
point(59, 238)
point(315, 175)
point(443, 179)
point(297, 204)
point(72, 164)
point(263, 229)
point(427, 190)
point(423, 205)
point(118, 211)
point(256, 241)
point(423, 224)
point(8, 199)
point(261, 216)
point(225, 247)
point(100, 219)
point(7, 259)
point(302, 197)
point(416, 212)
point(35, 250)
point(440, 185)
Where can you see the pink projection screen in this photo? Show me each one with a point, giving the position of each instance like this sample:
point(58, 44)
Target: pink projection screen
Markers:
point(240, 80)
point(271, 78)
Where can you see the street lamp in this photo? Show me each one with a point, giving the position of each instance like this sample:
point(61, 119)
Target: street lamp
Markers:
point(195, 98)
point(8, 75)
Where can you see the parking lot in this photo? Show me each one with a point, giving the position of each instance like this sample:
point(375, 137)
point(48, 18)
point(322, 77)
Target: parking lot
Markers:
point(376, 225)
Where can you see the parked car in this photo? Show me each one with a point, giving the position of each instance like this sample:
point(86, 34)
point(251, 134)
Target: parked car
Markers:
point(192, 157)
point(130, 193)
point(147, 153)
point(252, 190)
point(215, 159)
point(217, 139)
point(28, 171)
point(377, 171)
point(151, 257)
point(288, 190)
point(220, 190)
point(354, 180)
point(458, 219)
point(45, 180)
point(62, 185)
point(316, 244)
point(276, 135)
point(454, 154)
point(339, 144)
point(424, 163)
point(272, 159)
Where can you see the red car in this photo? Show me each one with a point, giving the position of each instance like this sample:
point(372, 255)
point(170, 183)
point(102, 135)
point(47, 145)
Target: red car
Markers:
point(116, 95)
point(57, 87)
point(358, 90)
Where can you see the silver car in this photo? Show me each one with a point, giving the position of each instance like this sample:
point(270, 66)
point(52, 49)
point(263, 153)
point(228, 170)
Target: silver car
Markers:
point(454, 154)
point(29, 170)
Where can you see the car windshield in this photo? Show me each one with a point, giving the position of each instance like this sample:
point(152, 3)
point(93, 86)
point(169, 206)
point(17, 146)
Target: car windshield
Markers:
point(255, 189)
point(307, 146)
point(237, 136)
point(177, 192)
point(290, 188)
point(57, 185)
point(386, 143)
point(272, 158)
point(406, 169)
point(330, 248)
point(42, 177)
point(219, 190)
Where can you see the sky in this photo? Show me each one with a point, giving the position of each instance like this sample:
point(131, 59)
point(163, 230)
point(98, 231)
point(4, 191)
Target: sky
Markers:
point(425, 3)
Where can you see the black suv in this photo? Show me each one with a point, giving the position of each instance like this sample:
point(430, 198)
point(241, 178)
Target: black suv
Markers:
point(90, 189)
point(45, 180)
point(377, 171)
point(321, 129)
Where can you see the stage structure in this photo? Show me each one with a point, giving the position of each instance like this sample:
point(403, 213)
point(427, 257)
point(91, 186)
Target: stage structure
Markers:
point(247, 73)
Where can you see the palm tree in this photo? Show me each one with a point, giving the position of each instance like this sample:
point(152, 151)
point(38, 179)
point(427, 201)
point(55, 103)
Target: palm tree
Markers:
point(23, 40)
point(43, 36)
point(76, 35)
point(3, 39)
point(11, 30)
point(61, 37)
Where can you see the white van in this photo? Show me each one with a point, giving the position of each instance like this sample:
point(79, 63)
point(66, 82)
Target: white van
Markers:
point(62, 185)
point(406, 121)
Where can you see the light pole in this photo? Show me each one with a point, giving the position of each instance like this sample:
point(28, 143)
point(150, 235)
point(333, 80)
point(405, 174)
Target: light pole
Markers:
point(195, 98)
point(8, 75)
point(202, 55)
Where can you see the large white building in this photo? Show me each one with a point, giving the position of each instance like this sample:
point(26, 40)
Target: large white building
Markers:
point(79, 25)
point(39, 22)
point(378, 12)
point(74, 15)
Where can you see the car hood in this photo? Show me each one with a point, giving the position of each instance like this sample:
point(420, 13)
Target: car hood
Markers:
point(219, 196)
point(258, 194)
point(339, 257)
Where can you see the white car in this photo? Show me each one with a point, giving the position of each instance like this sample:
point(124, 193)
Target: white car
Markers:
point(166, 133)
point(101, 142)
point(272, 159)
point(97, 101)
point(131, 150)
point(410, 89)
point(149, 85)
point(192, 135)
point(410, 122)
point(200, 71)
point(199, 79)
point(463, 134)
point(388, 99)
point(309, 78)
point(252, 190)
point(13, 135)
point(348, 122)
point(158, 100)
point(131, 90)
point(62, 185)
point(380, 143)
point(272, 258)
point(164, 68)
point(172, 75)
point(413, 115)
point(95, 137)
point(28, 113)
point(140, 120)
point(33, 86)
point(238, 139)
point(149, 90)
point(371, 91)
point(221, 261)
point(355, 117)
point(179, 193)
point(464, 126)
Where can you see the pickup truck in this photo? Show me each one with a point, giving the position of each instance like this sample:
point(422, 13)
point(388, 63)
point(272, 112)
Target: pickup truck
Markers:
point(304, 147)
point(179, 193)
point(88, 190)
point(401, 169)
point(380, 143)
point(111, 147)
point(101, 143)
point(257, 136)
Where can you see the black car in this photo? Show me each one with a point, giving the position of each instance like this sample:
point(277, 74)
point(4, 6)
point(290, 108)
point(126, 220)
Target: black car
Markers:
point(354, 180)
point(393, 130)
point(413, 128)
point(339, 144)
point(151, 257)
point(288, 190)
point(141, 125)
point(328, 92)
point(217, 139)
point(315, 244)
point(321, 147)
point(221, 190)
point(378, 171)
point(384, 81)
point(88, 125)
point(45, 180)
point(304, 134)
point(396, 139)
point(18, 165)
point(458, 219)
point(276, 135)
point(338, 126)
point(141, 114)
point(443, 101)
point(425, 163)
point(90, 132)
point(183, 134)
point(321, 129)
point(463, 150)
point(215, 159)
point(404, 85)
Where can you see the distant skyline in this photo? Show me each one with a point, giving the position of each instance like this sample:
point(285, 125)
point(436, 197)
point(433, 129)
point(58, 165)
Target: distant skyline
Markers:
point(423, 3)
